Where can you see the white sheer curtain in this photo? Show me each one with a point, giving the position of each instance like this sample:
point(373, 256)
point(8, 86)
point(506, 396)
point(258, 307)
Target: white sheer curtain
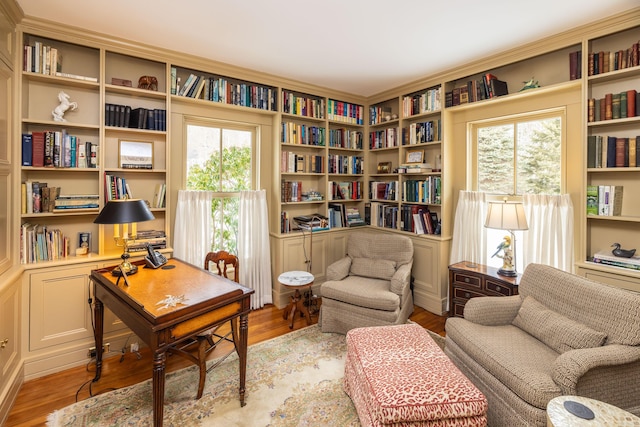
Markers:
point(469, 236)
point(549, 239)
point(193, 231)
point(254, 252)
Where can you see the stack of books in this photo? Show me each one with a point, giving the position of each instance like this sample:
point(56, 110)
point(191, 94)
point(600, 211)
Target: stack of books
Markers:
point(157, 239)
point(607, 258)
point(314, 222)
point(76, 202)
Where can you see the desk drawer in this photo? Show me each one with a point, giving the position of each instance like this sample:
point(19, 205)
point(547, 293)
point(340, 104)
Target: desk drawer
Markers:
point(467, 280)
point(205, 320)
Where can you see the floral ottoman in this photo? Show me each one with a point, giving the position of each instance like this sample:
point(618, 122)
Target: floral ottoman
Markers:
point(398, 375)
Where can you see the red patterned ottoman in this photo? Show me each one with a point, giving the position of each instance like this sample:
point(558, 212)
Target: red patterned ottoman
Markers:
point(399, 376)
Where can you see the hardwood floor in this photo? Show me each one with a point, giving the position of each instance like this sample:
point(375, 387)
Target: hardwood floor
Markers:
point(41, 396)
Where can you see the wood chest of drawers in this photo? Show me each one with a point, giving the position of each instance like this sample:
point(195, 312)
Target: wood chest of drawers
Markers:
point(467, 282)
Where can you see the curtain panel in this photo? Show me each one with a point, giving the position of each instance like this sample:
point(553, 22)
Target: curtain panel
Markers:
point(193, 231)
point(254, 252)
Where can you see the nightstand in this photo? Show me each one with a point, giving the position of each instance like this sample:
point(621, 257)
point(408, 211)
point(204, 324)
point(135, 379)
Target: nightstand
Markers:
point(467, 282)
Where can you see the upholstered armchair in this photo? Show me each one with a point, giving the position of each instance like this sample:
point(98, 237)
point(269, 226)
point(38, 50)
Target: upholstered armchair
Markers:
point(370, 286)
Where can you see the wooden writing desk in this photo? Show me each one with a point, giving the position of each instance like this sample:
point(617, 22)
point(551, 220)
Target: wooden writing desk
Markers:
point(209, 300)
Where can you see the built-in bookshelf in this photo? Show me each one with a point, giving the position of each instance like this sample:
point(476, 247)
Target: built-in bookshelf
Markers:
point(612, 144)
point(196, 84)
point(73, 153)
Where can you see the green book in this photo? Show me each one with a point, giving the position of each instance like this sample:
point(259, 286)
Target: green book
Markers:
point(592, 200)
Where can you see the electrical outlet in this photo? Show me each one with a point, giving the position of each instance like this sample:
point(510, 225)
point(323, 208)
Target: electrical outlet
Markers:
point(134, 347)
point(92, 350)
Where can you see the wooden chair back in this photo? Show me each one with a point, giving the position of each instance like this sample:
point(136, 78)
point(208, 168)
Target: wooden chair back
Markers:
point(223, 260)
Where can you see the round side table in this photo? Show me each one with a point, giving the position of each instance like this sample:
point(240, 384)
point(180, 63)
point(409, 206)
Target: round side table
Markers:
point(603, 414)
point(299, 280)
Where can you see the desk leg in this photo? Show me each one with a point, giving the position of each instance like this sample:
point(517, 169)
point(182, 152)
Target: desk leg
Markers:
point(242, 354)
point(159, 361)
point(98, 318)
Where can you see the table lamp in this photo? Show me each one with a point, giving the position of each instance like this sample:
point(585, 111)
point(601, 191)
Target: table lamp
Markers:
point(510, 217)
point(124, 212)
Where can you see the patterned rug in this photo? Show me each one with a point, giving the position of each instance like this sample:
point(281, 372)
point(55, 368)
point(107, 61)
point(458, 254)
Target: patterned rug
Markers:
point(292, 380)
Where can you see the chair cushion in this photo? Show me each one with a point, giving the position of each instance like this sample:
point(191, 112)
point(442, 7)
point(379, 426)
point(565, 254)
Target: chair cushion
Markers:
point(363, 292)
point(375, 268)
point(555, 330)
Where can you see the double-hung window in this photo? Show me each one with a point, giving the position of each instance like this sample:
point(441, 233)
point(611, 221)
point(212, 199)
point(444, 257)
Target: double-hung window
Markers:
point(220, 158)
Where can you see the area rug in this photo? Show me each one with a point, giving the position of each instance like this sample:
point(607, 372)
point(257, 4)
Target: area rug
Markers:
point(292, 380)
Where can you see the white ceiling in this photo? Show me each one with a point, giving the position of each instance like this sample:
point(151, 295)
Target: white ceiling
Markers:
point(358, 46)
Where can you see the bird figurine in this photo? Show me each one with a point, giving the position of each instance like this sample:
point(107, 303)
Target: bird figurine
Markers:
point(623, 253)
point(506, 242)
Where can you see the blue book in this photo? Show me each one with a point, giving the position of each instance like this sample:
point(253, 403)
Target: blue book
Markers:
point(27, 149)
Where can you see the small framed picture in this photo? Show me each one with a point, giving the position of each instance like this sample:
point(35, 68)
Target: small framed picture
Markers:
point(415, 156)
point(84, 241)
point(384, 167)
point(135, 154)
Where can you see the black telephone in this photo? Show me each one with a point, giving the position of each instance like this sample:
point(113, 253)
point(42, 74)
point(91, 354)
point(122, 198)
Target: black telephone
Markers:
point(155, 259)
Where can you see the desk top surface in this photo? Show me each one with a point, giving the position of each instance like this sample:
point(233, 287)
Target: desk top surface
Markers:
point(160, 293)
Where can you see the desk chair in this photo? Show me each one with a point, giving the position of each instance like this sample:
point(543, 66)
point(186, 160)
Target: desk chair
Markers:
point(209, 340)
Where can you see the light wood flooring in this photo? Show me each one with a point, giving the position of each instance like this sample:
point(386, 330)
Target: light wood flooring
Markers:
point(39, 397)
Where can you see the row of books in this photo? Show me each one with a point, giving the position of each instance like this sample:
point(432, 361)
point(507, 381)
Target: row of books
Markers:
point(384, 190)
point(291, 191)
point(125, 116)
point(348, 165)
point(607, 258)
point(295, 133)
point(488, 86)
point(57, 149)
point(159, 195)
point(419, 220)
point(606, 61)
point(614, 106)
point(219, 89)
point(612, 151)
point(421, 132)
point(293, 103)
point(419, 103)
point(39, 243)
point(342, 216)
point(346, 112)
point(575, 65)
point(39, 197)
point(381, 215)
point(346, 138)
point(385, 138)
point(344, 190)
point(427, 190)
point(42, 59)
point(116, 188)
point(379, 114)
point(292, 162)
point(604, 200)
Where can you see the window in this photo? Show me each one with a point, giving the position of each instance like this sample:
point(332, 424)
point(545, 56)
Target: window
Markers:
point(518, 156)
point(220, 159)
point(515, 156)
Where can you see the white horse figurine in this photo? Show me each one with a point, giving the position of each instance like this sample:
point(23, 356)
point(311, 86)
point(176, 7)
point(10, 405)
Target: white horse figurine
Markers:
point(58, 112)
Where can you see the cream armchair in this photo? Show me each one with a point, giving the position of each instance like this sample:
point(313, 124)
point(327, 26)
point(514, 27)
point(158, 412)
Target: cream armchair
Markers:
point(370, 286)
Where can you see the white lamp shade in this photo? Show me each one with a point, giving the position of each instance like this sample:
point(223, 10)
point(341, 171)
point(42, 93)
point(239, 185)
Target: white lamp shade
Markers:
point(506, 216)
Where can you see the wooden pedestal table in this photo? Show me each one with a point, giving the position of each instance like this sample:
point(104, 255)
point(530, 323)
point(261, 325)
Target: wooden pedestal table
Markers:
point(300, 280)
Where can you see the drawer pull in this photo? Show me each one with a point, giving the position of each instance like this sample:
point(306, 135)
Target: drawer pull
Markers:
point(467, 295)
point(498, 289)
point(4, 343)
point(466, 279)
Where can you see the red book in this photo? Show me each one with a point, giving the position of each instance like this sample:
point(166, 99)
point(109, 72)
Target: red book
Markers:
point(608, 109)
point(38, 149)
point(631, 103)
point(621, 152)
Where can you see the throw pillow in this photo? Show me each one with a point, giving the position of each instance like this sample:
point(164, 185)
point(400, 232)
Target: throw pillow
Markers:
point(374, 268)
point(555, 330)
